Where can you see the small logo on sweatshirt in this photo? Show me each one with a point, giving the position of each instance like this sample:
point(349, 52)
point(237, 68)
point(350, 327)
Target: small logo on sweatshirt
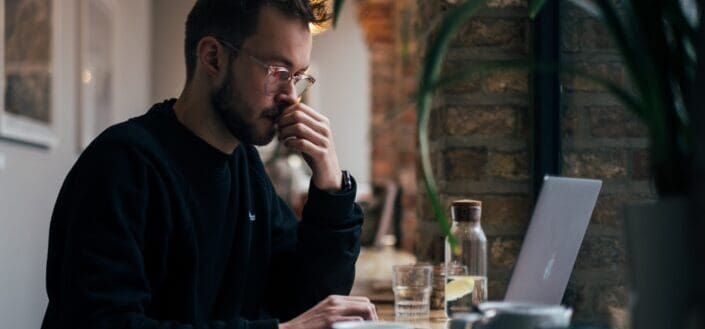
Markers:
point(252, 216)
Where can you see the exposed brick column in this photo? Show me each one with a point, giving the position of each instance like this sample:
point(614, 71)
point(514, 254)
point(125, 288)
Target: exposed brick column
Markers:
point(601, 139)
point(393, 125)
point(481, 143)
point(480, 136)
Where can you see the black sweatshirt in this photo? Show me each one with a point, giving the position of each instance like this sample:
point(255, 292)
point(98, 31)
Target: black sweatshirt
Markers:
point(154, 228)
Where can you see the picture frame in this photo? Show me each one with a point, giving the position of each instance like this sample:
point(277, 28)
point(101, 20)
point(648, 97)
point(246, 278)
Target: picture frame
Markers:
point(26, 76)
point(97, 68)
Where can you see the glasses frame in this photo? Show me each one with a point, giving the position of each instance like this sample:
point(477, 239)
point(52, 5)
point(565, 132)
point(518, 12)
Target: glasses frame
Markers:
point(274, 70)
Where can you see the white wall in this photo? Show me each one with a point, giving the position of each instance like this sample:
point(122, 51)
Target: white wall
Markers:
point(339, 61)
point(168, 28)
point(31, 177)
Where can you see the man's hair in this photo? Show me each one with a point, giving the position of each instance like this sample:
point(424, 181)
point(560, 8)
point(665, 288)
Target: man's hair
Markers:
point(235, 20)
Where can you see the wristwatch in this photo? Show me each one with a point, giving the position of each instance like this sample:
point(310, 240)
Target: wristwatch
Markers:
point(346, 185)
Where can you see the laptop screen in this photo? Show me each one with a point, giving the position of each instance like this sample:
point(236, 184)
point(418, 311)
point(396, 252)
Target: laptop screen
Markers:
point(552, 242)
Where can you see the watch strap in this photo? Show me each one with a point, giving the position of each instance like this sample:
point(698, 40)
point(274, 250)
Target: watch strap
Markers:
point(346, 184)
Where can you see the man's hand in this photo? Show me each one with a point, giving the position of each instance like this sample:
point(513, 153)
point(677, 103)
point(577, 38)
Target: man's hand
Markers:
point(307, 131)
point(331, 310)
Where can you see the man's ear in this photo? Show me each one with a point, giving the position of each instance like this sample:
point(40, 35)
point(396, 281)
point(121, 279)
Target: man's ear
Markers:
point(211, 56)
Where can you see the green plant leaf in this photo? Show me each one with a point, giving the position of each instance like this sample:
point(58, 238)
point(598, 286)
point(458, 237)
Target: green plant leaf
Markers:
point(535, 7)
point(337, 8)
point(625, 40)
point(682, 57)
point(478, 69)
point(431, 71)
point(623, 96)
point(439, 46)
point(588, 6)
point(485, 68)
point(635, 45)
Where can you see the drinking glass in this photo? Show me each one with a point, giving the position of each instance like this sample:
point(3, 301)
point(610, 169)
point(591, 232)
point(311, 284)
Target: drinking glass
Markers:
point(412, 291)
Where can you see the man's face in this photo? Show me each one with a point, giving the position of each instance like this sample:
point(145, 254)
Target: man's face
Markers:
point(248, 111)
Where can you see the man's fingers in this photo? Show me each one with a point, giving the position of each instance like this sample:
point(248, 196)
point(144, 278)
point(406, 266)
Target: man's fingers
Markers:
point(337, 299)
point(358, 308)
point(334, 308)
point(293, 118)
point(306, 109)
point(302, 131)
point(357, 298)
point(304, 146)
point(340, 318)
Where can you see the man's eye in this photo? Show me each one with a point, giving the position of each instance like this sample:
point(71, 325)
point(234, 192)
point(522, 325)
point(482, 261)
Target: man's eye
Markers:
point(282, 75)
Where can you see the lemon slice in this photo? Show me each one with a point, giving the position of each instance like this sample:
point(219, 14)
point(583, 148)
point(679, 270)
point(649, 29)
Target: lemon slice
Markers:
point(458, 288)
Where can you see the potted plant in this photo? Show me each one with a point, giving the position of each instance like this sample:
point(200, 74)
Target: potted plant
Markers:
point(662, 47)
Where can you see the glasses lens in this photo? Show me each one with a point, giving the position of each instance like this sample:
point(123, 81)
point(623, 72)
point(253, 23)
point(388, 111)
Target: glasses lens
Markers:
point(281, 75)
point(275, 86)
point(301, 86)
point(279, 81)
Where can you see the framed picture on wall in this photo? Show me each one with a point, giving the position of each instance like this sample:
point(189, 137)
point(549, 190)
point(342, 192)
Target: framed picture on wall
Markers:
point(26, 113)
point(97, 53)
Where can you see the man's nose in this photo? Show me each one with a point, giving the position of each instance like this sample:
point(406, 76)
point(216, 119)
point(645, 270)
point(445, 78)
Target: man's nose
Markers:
point(289, 89)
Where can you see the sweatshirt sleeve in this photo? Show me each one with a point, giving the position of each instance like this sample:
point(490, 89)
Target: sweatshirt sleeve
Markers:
point(96, 276)
point(315, 258)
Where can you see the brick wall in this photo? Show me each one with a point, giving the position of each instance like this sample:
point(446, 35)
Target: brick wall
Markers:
point(387, 25)
point(600, 139)
point(481, 135)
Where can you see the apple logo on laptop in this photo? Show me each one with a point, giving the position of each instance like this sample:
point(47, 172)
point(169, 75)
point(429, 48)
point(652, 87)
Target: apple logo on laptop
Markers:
point(549, 267)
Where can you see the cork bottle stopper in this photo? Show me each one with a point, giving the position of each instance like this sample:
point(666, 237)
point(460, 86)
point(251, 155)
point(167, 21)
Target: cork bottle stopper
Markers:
point(466, 210)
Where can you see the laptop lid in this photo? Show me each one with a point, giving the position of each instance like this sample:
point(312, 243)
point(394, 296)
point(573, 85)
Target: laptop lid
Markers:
point(551, 245)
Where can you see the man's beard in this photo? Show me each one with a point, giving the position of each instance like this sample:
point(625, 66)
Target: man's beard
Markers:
point(225, 102)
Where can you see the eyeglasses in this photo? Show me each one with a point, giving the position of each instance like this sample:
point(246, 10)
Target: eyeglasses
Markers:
point(278, 78)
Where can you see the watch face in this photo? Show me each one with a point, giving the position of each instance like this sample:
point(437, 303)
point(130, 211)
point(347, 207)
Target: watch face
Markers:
point(347, 180)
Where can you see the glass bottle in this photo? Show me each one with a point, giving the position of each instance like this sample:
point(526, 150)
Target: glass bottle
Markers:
point(466, 268)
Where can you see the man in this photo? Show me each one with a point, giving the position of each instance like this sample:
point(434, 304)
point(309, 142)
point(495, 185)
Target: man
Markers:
point(169, 221)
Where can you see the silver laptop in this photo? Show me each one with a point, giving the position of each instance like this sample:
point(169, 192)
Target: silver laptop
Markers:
point(551, 245)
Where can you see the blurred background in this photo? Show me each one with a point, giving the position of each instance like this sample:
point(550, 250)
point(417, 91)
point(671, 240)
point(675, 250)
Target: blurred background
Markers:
point(74, 67)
